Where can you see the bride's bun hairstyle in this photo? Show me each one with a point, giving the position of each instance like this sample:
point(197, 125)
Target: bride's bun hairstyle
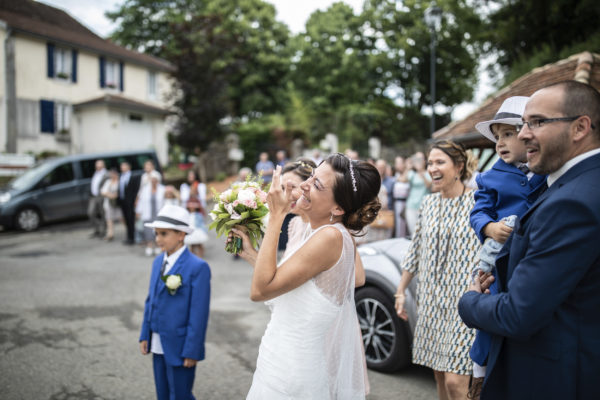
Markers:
point(459, 155)
point(355, 190)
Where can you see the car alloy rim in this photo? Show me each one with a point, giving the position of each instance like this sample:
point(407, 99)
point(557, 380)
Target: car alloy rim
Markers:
point(377, 329)
point(28, 219)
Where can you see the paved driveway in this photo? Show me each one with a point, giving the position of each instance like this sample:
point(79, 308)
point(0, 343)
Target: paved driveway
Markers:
point(70, 309)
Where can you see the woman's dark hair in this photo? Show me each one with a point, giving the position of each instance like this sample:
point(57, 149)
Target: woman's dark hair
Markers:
point(355, 190)
point(303, 167)
point(458, 155)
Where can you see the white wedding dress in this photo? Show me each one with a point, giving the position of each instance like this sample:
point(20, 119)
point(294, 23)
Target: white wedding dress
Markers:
point(312, 347)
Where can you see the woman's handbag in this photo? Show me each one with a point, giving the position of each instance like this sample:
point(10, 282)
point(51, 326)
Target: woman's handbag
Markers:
point(384, 220)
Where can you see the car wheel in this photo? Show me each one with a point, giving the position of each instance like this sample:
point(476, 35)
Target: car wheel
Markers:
point(28, 219)
point(384, 334)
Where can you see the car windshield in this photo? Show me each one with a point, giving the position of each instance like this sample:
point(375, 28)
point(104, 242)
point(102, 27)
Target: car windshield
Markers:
point(30, 177)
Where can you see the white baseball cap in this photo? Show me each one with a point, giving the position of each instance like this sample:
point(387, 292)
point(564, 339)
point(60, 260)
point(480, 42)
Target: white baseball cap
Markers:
point(172, 217)
point(510, 113)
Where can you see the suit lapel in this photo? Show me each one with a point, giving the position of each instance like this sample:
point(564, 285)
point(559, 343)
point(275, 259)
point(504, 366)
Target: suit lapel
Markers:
point(175, 269)
point(179, 263)
point(577, 169)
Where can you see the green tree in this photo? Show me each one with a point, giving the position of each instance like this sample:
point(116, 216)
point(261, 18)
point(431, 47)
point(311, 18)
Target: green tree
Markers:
point(529, 33)
point(231, 58)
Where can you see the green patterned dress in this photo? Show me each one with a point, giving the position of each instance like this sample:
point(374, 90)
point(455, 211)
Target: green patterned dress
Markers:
point(442, 253)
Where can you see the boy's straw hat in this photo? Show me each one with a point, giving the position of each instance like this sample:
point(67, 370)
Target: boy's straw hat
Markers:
point(172, 217)
point(510, 113)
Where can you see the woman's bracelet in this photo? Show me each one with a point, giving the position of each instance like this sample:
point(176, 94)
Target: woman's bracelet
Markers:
point(399, 295)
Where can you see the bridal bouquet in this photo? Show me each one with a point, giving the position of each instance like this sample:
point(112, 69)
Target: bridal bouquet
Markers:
point(243, 204)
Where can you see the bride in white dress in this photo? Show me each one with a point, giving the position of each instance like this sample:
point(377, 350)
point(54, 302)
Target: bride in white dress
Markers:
point(312, 347)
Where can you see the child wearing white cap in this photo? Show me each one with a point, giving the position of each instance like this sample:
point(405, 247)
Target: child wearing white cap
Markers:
point(176, 309)
point(505, 192)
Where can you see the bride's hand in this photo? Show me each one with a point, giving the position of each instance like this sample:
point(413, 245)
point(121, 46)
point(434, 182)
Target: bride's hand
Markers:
point(279, 200)
point(247, 252)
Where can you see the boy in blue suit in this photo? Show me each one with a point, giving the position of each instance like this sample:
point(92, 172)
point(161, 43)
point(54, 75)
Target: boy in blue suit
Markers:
point(176, 309)
point(504, 192)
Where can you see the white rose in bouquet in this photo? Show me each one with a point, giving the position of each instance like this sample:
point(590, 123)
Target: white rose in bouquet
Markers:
point(246, 195)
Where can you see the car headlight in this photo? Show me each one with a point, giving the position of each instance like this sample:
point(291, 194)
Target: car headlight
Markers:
point(4, 197)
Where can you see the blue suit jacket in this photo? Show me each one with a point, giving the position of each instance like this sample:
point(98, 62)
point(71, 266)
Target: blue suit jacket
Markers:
point(179, 319)
point(503, 190)
point(545, 322)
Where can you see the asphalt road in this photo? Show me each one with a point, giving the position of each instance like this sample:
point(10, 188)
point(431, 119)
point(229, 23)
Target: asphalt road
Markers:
point(70, 310)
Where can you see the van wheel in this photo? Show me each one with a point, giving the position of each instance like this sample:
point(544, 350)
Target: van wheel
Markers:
point(28, 219)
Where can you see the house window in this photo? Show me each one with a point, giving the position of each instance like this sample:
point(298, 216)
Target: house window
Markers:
point(55, 117)
point(62, 63)
point(112, 74)
point(152, 86)
point(63, 117)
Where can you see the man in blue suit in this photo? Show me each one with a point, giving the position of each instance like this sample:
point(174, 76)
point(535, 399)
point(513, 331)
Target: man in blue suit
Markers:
point(176, 309)
point(545, 322)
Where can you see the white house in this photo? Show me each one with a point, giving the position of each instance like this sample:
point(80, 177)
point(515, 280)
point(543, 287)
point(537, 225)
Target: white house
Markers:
point(65, 89)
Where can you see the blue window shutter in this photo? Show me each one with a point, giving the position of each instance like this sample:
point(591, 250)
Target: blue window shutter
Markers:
point(50, 59)
point(73, 65)
point(121, 75)
point(47, 112)
point(102, 72)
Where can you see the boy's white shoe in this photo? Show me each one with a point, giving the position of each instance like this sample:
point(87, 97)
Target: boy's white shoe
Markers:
point(148, 251)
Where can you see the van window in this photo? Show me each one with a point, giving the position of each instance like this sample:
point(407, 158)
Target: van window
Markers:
point(62, 173)
point(88, 167)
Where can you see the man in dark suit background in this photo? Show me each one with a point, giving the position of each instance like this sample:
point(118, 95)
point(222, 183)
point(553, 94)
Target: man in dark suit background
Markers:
point(128, 190)
point(545, 322)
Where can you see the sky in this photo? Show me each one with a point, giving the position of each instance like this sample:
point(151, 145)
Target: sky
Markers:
point(293, 13)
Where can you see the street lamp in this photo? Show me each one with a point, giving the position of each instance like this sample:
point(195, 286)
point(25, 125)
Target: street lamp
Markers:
point(433, 19)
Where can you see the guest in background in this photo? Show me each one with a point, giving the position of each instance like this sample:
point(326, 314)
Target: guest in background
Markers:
point(129, 185)
point(317, 157)
point(172, 196)
point(265, 167)
point(243, 174)
point(199, 236)
point(420, 184)
point(149, 172)
point(383, 225)
point(110, 194)
point(387, 181)
point(185, 188)
point(151, 199)
point(281, 158)
point(400, 194)
point(95, 209)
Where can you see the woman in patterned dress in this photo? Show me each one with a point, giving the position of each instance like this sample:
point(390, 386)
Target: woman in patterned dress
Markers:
point(442, 251)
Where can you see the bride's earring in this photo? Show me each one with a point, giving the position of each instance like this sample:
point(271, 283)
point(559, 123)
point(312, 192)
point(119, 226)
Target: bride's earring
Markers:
point(331, 218)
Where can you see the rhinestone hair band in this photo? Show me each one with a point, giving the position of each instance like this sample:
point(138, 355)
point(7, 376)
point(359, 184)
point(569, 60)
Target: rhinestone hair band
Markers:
point(351, 168)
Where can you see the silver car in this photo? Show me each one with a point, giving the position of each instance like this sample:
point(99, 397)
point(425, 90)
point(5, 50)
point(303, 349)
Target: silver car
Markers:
point(387, 338)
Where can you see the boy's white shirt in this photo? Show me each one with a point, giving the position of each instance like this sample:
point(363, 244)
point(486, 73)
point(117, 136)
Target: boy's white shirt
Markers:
point(155, 344)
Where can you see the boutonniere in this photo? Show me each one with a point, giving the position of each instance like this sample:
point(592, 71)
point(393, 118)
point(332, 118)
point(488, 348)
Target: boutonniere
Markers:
point(172, 282)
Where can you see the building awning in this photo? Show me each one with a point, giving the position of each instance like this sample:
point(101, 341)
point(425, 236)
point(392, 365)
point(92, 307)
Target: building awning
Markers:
point(122, 103)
